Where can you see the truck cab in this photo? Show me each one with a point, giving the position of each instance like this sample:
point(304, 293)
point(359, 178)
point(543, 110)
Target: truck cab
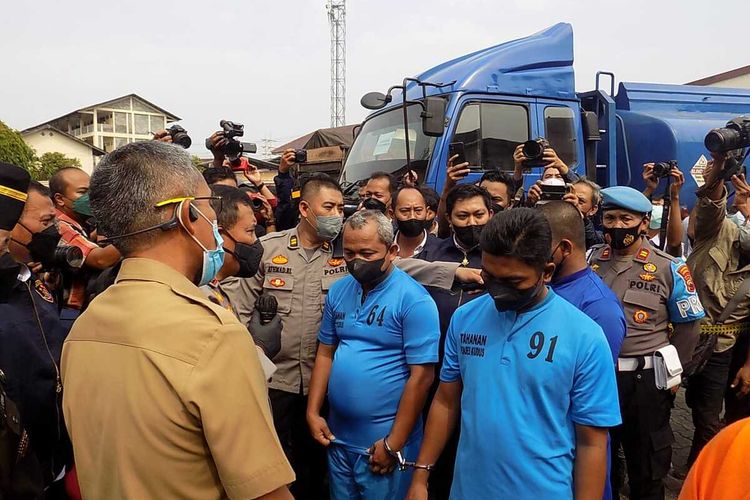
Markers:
point(497, 98)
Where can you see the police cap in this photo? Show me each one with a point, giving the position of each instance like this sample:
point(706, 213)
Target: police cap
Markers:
point(625, 198)
point(14, 183)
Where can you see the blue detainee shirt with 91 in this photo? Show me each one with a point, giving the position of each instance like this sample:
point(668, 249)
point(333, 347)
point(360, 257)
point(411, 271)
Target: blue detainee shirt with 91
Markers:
point(528, 379)
point(396, 326)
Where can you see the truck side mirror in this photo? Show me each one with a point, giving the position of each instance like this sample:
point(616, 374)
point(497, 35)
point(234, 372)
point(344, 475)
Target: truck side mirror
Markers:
point(433, 116)
point(375, 100)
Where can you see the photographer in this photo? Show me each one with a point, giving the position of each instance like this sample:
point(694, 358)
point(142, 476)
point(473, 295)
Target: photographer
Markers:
point(674, 224)
point(720, 258)
point(220, 176)
point(286, 211)
point(586, 196)
point(69, 192)
point(31, 332)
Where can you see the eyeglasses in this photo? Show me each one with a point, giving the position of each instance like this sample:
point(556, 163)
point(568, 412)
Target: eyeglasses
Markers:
point(173, 222)
point(217, 202)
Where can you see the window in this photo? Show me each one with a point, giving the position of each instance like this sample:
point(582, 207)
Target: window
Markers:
point(157, 123)
point(121, 123)
point(491, 132)
point(559, 125)
point(120, 142)
point(141, 124)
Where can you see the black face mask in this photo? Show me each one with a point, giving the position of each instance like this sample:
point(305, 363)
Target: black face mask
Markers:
point(366, 272)
point(508, 298)
point(410, 228)
point(468, 235)
point(496, 209)
point(248, 256)
point(374, 204)
point(622, 237)
point(43, 245)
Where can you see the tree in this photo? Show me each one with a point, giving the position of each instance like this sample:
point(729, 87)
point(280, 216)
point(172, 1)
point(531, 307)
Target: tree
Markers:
point(14, 150)
point(198, 163)
point(50, 163)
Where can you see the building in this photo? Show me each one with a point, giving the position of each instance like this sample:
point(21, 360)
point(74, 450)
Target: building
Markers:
point(48, 139)
point(111, 124)
point(737, 78)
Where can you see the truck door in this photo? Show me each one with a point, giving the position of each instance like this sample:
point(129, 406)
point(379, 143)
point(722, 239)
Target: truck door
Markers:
point(490, 130)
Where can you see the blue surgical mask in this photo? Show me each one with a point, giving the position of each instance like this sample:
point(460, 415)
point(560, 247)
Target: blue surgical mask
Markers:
point(656, 214)
point(213, 260)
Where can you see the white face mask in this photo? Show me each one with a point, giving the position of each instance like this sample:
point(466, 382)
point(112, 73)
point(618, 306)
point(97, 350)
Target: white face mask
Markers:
point(553, 181)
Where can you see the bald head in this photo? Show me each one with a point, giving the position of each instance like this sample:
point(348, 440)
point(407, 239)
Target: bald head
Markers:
point(566, 223)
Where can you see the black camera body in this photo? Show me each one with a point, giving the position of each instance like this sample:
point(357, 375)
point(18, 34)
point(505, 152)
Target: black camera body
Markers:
point(300, 156)
point(234, 148)
point(534, 151)
point(662, 169)
point(180, 136)
point(736, 135)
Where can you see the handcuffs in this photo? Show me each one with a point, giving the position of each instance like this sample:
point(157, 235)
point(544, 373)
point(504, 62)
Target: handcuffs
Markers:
point(403, 464)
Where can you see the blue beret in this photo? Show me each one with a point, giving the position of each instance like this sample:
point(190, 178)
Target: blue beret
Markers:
point(625, 198)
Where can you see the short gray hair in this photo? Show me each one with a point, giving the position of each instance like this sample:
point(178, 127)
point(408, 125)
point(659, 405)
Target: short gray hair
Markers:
point(596, 190)
point(129, 182)
point(384, 226)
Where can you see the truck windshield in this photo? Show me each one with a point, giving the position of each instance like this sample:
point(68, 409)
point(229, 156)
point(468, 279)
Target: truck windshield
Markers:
point(380, 146)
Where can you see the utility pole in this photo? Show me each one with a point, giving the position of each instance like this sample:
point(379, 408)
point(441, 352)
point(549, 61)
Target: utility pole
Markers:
point(337, 20)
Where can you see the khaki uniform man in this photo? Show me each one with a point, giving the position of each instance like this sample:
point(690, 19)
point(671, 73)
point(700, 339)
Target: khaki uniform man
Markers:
point(164, 394)
point(661, 307)
point(721, 265)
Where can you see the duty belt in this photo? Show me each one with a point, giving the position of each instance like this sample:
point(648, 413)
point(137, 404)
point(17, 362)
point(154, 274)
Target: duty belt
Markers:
point(731, 329)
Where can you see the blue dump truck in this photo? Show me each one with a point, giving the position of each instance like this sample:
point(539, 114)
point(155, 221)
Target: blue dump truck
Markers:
point(496, 98)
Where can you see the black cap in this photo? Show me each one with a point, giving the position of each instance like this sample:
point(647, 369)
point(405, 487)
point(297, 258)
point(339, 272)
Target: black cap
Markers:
point(14, 184)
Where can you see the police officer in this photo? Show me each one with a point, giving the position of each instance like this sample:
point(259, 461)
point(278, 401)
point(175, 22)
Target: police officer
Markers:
point(661, 308)
point(31, 333)
point(298, 268)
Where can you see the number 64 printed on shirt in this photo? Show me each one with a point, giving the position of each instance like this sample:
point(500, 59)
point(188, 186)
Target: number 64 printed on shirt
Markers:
point(536, 344)
point(373, 312)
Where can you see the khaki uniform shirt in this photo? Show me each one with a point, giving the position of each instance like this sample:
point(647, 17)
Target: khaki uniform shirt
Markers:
point(655, 289)
point(164, 395)
point(300, 285)
point(717, 266)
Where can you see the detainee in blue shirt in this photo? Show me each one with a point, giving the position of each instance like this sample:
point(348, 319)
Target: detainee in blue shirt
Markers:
point(529, 376)
point(574, 281)
point(378, 346)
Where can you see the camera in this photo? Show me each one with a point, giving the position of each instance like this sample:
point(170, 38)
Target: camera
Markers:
point(180, 136)
point(234, 148)
point(65, 258)
point(736, 135)
point(662, 169)
point(300, 156)
point(534, 150)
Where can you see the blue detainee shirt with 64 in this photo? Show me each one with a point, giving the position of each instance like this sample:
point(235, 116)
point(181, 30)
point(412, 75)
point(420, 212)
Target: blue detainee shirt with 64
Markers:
point(527, 379)
point(396, 326)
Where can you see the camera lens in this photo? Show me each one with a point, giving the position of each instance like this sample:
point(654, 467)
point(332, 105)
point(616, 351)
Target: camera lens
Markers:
point(67, 257)
point(723, 139)
point(182, 139)
point(533, 150)
point(257, 203)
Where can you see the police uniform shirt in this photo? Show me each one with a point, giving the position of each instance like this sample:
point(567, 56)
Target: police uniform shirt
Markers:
point(527, 379)
point(31, 340)
point(164, 395)
point(588, 293)
point(376, 341)
point(654, 288)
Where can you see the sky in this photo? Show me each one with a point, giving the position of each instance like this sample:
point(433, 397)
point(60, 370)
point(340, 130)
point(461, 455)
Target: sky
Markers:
point(266, 64)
